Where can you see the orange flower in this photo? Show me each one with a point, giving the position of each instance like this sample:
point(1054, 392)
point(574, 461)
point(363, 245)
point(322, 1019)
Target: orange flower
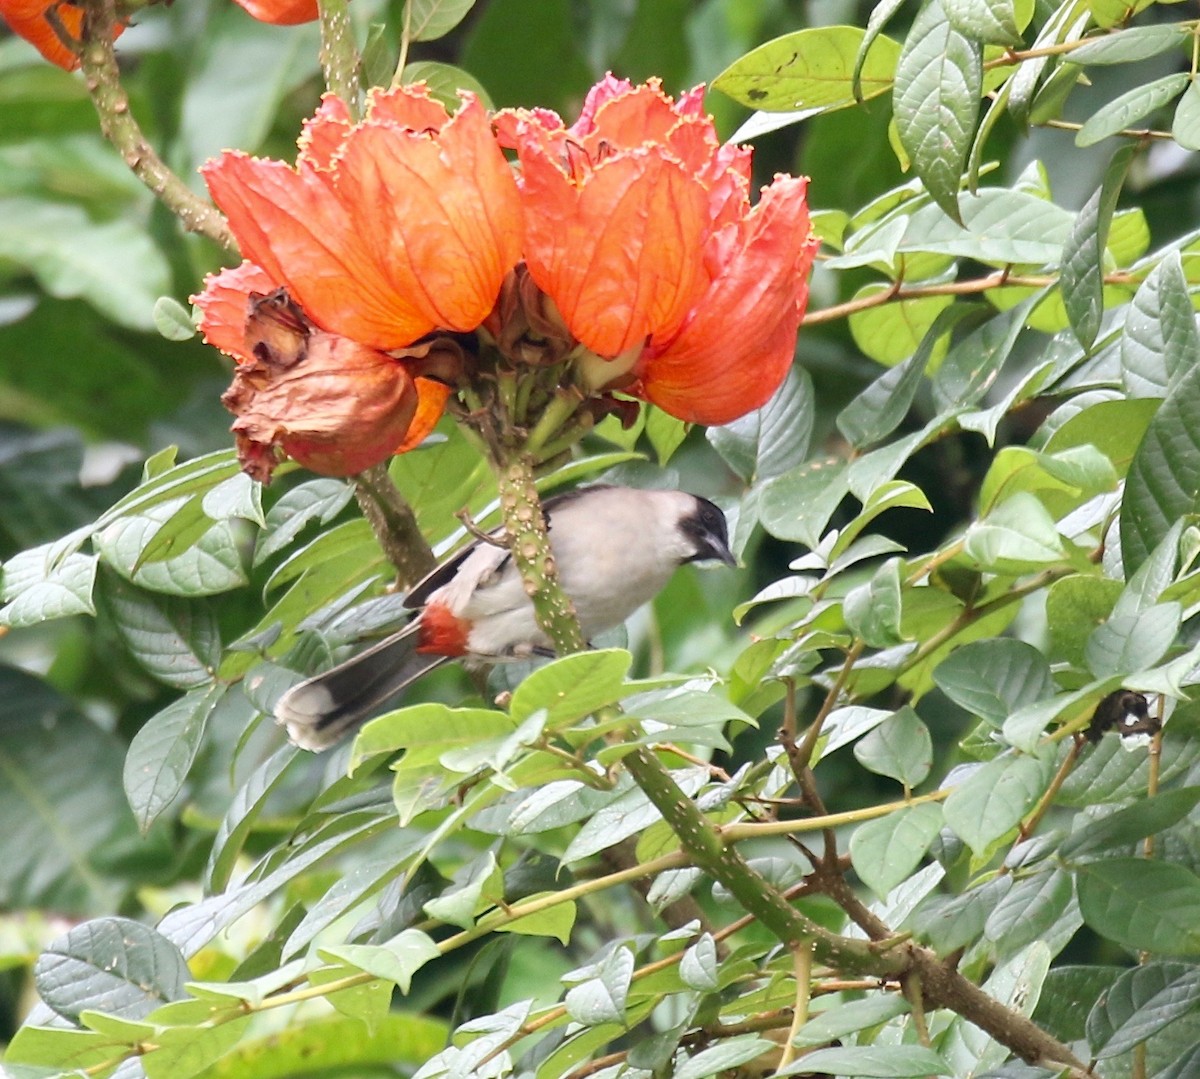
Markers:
point(639, 227)
point(331, 404)
point(31, 19)
point(281, 12)
point(386, 230)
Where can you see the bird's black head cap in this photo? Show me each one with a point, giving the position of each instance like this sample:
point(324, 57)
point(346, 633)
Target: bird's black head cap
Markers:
point(706, 528)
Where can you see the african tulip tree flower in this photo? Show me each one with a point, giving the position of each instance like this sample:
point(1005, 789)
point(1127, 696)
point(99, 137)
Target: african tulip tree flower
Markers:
point(387, 229)
point(638, 225)
point(32, 20)
point(281, 12)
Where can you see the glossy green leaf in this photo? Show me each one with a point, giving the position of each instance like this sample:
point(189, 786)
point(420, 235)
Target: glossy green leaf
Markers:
point(836, 1022)
point(1142, 904)
point(600, 997)
point(773, 439)
point(872, 610)
point(43, 583)
point(939, 79)
point(427, 20)
point(163, 751)
point(699, 967)
point(872, 1062)
point(1163, 484)
point(993, 799)
point(1018, 536)
point(1130, 107)
point(1126, 826)
point(809, 69)
point(113, 965)
point(1081, 280)
point(572, 687)
point(1185, 127)
point(1129, 45)
point(395, 961)
point(885, 852)
point(1129, 643)
point(1140, 1003)
point(1159, 340)
point(797, 505)
point(317, 500)
point(994, 22)
point(1029, 911)
point(900, 747)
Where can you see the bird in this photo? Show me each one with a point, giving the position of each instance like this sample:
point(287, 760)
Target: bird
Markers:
point(614, 549)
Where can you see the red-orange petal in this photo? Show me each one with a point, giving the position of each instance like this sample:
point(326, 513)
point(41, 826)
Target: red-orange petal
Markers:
point(619, 252)
point(431, 403)
point(224, 304)
point(438, 214)
point(281, 12)
point(738, 343)
point(27, 19)
point(299, 232)
point(324, 132)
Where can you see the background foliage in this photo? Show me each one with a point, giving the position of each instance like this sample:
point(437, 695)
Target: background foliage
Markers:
point(967, 519)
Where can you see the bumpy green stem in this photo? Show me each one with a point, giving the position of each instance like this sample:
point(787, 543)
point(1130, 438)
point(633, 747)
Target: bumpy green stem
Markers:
point(394, 524)
point(339, 54)
point(521, 511)
point(102, 78)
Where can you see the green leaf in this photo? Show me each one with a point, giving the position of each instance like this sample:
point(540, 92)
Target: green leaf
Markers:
point(1082, 276)
point(994, 22)
point(1142, 904)
point(45, 583)
point(1018, 536)
point(973, 364)
point(172, 320)
point(953, 922)
point(396, 961)
point(809, 69)
point(1126, 644)
point(556, 921)
point(1163, 484)
point(884, 852)
point(1159, 341)
point(872, 1062)
point(872, 610)
point(1075, 607)
point(1126, 826)
point(113, 965)
point(891, 332)
point(1031, 910)
point(318, 500)
point(1132, 105)
point(1140, 1003)
point(163, 751)
point(429, 725)
point(773, 439)
point(699, 966)
point(797, 505)
point(848, 1018)
point(993, 799)
point(719, 1059)
point(572, 687)
point(483, 888)
point(243, 810)
point(600, 998)
point(939, 79)
point(445, 81)
point(900, 747)
point(1185, 127)
point(1128, 46)
point(176, 640)
point(880, 408)
point(427, 20)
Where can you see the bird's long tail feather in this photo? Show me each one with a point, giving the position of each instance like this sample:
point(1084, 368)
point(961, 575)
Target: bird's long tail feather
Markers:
point(325, 708)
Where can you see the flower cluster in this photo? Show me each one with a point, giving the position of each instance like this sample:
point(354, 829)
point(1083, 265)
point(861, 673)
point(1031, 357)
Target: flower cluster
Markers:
point(623, 248)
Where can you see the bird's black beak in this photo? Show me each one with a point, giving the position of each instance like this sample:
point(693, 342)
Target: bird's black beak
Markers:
point(718, 547)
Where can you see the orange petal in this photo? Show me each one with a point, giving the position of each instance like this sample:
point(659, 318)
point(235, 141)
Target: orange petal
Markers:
point(408, 106)
point(27, 19)
point(437, 214)
point(738, 343)
point(324, 132)
point(431, 403)
point(225, 303)
point(281, 12)
point(619, 252)
point(293, 225)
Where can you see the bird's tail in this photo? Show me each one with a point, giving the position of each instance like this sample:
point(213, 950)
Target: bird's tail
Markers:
point(322, 710)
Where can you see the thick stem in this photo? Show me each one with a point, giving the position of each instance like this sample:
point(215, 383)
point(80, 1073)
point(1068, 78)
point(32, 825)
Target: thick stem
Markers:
point(339, 54)
point(103, 80)
point(394, 524)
